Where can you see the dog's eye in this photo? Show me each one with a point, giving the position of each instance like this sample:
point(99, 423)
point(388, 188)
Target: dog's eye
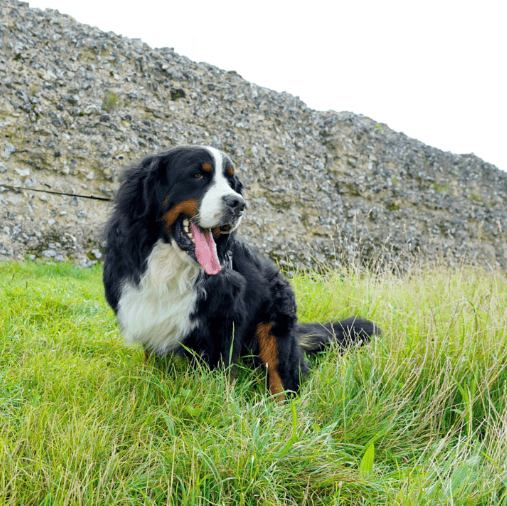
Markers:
point(198, 175)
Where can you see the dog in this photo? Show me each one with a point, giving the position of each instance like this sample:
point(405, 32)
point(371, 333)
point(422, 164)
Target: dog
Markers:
point(180, 279)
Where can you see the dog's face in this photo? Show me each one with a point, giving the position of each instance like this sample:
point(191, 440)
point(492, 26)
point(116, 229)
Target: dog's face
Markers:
point(201, 201)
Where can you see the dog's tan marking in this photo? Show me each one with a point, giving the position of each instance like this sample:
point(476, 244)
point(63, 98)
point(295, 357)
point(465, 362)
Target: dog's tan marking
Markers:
point(268, 351)
point(230, 171)
point(187, 207)
point(206, 167)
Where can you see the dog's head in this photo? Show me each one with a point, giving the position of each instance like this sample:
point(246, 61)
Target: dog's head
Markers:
point(195, 197)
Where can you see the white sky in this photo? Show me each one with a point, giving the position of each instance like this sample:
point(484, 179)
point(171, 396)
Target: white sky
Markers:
point(435, 70)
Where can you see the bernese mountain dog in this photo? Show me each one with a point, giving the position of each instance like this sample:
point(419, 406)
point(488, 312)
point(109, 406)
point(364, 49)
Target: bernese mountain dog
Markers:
point(179, 279)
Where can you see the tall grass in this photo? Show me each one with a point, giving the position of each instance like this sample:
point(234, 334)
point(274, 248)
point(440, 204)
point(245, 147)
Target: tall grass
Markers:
point(417, 417)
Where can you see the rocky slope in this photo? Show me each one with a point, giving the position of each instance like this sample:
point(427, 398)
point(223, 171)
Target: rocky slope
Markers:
point(78, 104)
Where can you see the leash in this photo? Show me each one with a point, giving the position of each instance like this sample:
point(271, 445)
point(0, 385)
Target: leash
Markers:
point(93, 197)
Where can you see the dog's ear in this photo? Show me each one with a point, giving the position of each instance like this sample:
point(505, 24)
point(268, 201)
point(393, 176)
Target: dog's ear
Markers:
point(144, 188)
point(156, 186)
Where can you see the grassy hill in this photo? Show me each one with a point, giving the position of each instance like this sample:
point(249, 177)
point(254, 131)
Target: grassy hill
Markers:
point(418, 417)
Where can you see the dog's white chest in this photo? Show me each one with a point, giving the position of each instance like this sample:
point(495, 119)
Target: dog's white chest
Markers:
point(157, 312)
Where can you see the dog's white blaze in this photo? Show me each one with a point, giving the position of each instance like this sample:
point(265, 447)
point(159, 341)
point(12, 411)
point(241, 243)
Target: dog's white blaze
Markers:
point(212, 205)
point(156, 313)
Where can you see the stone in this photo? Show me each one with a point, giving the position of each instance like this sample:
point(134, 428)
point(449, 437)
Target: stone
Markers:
point(7, 150)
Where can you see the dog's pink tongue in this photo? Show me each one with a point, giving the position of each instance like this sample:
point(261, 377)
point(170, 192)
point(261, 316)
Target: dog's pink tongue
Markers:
point(205, 250)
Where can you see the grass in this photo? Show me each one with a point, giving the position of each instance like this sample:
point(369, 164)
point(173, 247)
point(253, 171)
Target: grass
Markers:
point(418, 417)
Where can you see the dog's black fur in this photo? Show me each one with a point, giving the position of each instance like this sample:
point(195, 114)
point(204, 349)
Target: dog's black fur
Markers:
point(248, 308)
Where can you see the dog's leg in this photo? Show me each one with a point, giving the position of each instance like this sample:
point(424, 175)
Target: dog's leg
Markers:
point(268, 351)
point(218, 337)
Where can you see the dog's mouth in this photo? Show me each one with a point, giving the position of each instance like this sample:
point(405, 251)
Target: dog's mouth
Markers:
point(199, 243)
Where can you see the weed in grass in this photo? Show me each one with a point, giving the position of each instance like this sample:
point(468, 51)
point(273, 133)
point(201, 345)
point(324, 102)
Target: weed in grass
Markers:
point(417, 417)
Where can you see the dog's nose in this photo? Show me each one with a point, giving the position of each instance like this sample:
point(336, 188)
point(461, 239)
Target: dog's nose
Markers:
point(236, 203)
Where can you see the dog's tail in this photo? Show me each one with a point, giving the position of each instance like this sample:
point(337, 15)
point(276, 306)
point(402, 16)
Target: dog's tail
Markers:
point(314, 337)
